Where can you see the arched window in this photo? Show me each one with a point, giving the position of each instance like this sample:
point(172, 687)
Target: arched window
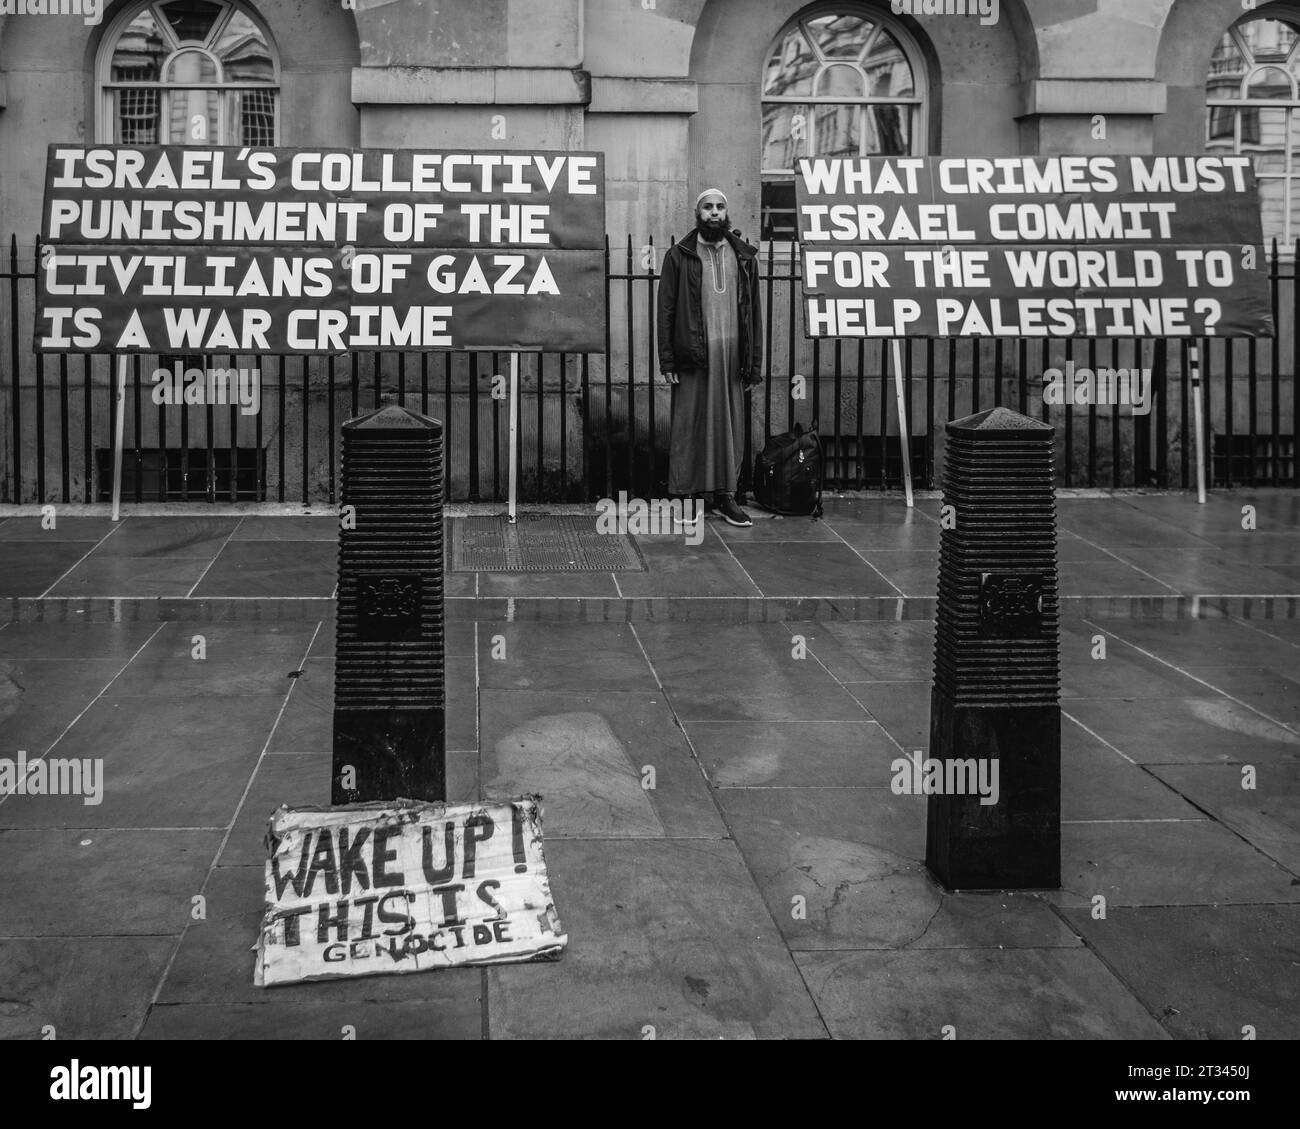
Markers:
point(840, 81)
point(188, 72)
point(1253, 106)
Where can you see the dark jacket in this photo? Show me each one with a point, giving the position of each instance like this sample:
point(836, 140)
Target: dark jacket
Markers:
point(680, 321)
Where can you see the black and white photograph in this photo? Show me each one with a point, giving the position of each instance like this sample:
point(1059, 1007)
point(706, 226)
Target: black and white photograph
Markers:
point(650, 521)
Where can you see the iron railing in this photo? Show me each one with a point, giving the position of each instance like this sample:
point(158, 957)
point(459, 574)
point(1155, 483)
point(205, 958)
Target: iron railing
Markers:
point(591, 425)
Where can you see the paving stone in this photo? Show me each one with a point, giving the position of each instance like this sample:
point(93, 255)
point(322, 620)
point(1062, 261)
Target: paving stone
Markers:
point(1200, 730)
point(810, 569)
point(1166, 864)
point(1072, 547)
point(132, 576)
point(759, 754)
point(75, 640)
point(255, 528)
point(1103, 523)
point(214, 964)
point(457, 1015)
point(40, 698)
point(296, 779)
point(981, 993)
point(588, 756)
point(83, 987)
point(913, 572)
point(771, 528)
point(1099, 784)
point(269, 568)
point(303, 780)
point(1200, 642)
point(89, 529)
point(674, 569)
point(1266, 816)
point(165, 763)
point(855, 857)
point(875, 652)
point(1122, 673)
point(1107, 578)
point(1273, 693)
point(547, 583)
point(169, 537)
point(669, 935)
point(1206, 971)
point(913, 532)
point(796, 703)
point(533, 656)
point(902, 708)
point(30, 568)
point(747, 657)
point(120, 883)
point(1206, 570)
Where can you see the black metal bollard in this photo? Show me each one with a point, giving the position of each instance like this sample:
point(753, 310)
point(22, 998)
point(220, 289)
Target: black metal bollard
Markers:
point(996, 694)
point(389, 686)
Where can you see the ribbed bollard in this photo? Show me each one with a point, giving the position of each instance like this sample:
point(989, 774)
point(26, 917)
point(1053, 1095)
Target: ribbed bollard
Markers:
point(996, 695)
point(389, 686)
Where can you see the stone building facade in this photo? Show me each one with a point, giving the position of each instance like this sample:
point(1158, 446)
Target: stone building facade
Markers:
point(678, 94)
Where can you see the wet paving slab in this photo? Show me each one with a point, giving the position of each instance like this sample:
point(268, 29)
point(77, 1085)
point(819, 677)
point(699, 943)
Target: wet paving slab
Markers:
point(1207, 972)
point(607, 765)
point(111, 881)
point(1157, 862)
point(80, 987)
point(1043, 994)
point(714, 741)
point(31, 568)
point(133, 576)
point(160, 763)
point(1206, 729)
point(265, 568)
point(803, 567)
point(675, 932)
point(1100, 785)
point(214, 967)
point(1261, 806)
point(1207, 570)
point(775, 754)
point(41, 698)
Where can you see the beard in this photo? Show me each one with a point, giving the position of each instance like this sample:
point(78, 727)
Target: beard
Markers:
point(711, 231)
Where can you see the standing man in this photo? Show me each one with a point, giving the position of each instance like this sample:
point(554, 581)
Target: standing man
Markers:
point(710, 330)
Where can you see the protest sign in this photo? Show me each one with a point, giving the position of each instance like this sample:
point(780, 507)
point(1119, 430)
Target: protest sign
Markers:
point(402, 886)
point(185, 249)
point(1032, 247)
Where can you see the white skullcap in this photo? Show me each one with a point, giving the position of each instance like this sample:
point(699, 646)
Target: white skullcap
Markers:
point(710, 192)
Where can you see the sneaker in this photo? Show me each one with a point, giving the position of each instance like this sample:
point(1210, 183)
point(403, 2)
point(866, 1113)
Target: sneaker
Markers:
point(689, 518)
point(731, 513)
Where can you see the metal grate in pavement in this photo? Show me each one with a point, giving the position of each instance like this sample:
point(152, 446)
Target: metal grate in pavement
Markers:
point(540, 543)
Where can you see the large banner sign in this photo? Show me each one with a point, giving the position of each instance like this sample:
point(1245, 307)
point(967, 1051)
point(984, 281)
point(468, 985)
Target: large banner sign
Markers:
point(1032, 247)
point(403, 886)
point(183, 249)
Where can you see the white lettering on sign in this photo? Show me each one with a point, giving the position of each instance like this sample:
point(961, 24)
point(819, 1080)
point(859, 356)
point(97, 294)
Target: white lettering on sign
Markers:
point(404, 887)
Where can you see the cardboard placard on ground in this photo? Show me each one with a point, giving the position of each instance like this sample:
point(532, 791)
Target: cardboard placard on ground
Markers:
point(404, 886)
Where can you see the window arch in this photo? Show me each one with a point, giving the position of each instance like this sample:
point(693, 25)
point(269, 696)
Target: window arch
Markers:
point(188, 72)
point(1253, 106)
point(839, 81)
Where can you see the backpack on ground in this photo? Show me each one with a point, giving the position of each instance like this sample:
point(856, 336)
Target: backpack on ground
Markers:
point(788, 473)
